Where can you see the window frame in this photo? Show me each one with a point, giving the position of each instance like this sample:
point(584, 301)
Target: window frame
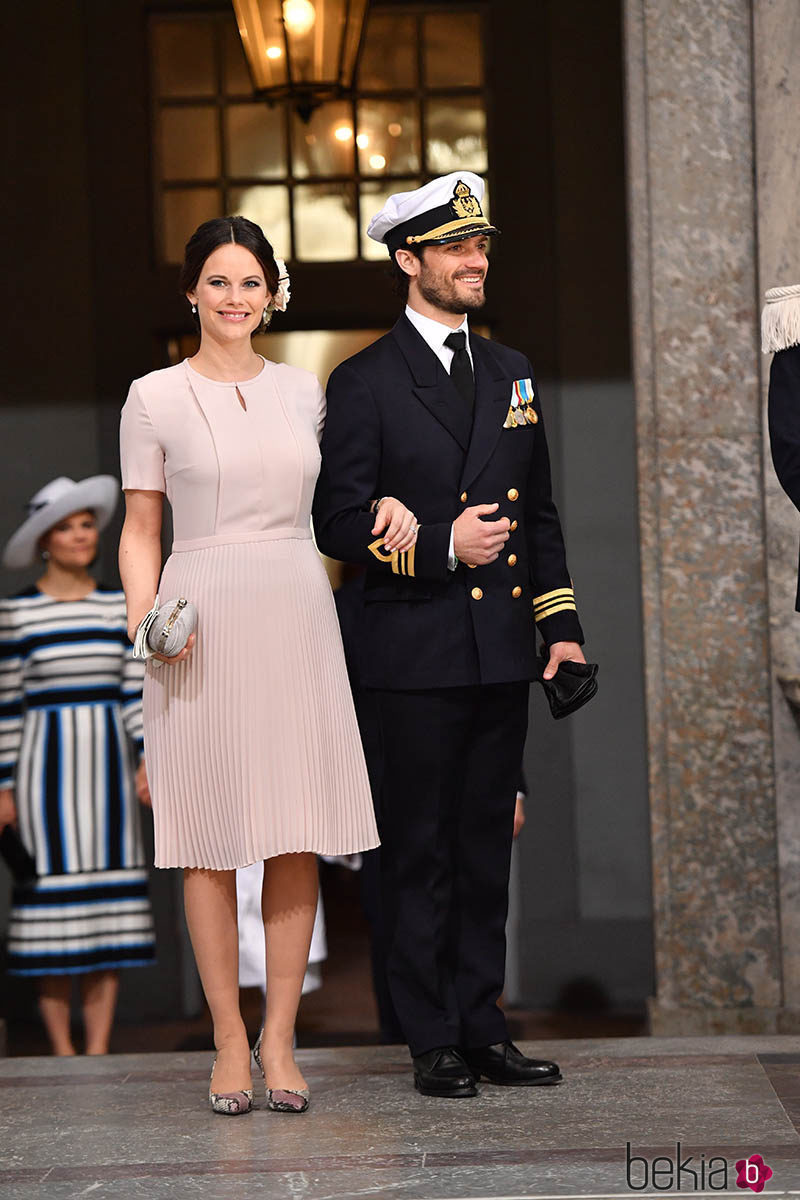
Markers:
point(225, 183)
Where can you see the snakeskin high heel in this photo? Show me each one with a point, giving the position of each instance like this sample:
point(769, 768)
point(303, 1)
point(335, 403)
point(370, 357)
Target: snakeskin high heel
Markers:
point(229, 1104)
point(281, 1099)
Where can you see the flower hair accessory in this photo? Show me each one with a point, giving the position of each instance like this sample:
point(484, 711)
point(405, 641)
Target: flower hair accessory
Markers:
point(281, 298)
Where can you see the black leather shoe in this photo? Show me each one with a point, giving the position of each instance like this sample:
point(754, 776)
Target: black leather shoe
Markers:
point(503, 1063)
point(443, 1072)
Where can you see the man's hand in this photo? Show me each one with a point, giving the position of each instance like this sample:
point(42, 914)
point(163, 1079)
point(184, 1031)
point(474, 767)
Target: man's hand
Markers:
point(142, 786)
point(398, 521)
point(478, 542)
point(562, 652)
point(8, 809)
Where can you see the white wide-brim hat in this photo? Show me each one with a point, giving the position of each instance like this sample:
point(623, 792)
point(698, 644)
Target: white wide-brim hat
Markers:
point(55, 501)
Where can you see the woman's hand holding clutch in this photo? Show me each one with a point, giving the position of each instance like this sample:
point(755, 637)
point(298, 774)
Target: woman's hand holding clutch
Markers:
point(176, 658)
point(166, 633)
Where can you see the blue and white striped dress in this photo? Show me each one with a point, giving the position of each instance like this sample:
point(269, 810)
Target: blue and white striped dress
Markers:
point(70, 729)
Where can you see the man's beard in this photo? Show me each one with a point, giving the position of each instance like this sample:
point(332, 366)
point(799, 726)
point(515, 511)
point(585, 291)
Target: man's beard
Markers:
point(441, 292)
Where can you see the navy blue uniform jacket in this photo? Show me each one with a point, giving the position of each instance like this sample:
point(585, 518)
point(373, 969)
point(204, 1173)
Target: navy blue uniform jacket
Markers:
point(396, 426)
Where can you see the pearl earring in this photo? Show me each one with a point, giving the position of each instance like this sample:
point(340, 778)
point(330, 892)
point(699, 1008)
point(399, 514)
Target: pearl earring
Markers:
point(194, 310)
point(45, 555)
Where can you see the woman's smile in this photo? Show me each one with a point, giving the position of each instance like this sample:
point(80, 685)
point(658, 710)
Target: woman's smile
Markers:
point(229, 314)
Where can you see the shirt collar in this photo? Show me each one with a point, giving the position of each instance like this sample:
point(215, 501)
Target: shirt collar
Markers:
point(434, 332)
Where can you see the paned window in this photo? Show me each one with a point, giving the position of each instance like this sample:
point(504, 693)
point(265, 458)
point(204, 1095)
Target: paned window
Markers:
point(418, 111)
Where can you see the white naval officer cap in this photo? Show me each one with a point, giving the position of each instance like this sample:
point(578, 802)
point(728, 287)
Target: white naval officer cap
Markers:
point(444, 210)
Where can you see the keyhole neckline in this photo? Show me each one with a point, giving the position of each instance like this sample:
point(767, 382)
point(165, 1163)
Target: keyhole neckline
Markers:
point(228, 383)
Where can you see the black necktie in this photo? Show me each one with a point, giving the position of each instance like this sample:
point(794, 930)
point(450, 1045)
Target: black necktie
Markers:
point(461, 368)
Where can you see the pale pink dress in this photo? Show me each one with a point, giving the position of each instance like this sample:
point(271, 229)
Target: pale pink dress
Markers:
point(252, 745)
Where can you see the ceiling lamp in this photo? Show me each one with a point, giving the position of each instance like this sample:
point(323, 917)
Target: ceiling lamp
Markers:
point(306, 50)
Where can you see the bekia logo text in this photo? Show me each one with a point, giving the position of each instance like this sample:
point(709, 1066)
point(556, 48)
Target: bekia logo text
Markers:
point(692, 1173)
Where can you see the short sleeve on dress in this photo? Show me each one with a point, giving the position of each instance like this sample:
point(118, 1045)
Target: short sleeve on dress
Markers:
point(141, 455)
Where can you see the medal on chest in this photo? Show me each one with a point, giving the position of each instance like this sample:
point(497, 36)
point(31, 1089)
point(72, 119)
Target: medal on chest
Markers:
point(521, 411)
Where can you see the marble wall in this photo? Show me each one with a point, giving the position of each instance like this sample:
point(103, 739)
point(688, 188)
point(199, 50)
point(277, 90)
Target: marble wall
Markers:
point(721, 948)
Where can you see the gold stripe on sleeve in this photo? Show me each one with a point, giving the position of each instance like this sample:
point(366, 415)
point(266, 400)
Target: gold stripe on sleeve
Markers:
point(377, 548)
point(566, 598)
point(568, 606)
point(558, 594)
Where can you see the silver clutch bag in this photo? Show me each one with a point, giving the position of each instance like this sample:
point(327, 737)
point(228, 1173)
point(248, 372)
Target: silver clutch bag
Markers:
point(166, 629)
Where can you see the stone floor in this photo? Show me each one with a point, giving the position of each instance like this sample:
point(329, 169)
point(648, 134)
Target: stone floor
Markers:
point(136, 1126)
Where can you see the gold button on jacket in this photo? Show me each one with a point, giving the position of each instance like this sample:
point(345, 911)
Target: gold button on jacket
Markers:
point(514, 525)
point(512, 560)
point(463, 497)
point(517, 592)
point(512, 494)
point(477, 594)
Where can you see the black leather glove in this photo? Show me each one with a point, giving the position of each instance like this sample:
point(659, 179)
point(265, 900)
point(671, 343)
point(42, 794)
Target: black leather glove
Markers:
point(572, 686)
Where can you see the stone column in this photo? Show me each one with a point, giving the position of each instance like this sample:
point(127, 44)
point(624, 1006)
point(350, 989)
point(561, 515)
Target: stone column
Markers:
point(776, 69)
point(693, 239)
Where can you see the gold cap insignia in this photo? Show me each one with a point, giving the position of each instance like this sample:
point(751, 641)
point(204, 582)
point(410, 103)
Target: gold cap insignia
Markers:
point(464, 204)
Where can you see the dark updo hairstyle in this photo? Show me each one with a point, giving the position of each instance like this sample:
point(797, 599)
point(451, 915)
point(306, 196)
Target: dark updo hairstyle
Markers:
point(220, 231)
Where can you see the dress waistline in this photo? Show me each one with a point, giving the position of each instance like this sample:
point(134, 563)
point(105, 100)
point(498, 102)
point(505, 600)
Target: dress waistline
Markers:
point(299, 532)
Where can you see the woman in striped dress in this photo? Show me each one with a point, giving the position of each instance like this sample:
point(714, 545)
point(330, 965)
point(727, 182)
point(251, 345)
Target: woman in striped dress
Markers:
point(70, 728)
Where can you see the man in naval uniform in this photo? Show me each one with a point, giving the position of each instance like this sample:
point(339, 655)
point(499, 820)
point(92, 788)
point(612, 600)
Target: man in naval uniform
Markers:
point(435, 475)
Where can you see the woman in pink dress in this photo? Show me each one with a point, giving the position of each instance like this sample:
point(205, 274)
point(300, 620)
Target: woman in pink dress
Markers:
point(252, 745)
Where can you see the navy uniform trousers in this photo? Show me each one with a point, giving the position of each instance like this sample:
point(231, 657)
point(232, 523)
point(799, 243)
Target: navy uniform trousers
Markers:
point(444, 656)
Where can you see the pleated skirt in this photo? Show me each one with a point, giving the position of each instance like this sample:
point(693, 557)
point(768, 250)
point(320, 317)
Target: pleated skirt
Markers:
point(252, 745)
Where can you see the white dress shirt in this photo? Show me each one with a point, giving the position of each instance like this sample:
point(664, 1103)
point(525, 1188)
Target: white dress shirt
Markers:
point(434, 333)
